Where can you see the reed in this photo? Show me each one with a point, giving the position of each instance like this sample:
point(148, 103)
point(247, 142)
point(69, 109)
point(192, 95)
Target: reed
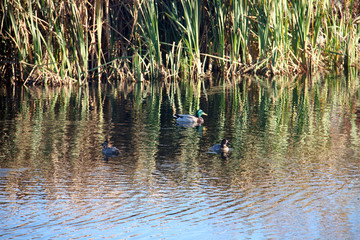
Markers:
point(281, 42)
point(65, 42)
point(187, 22)
point(150, 31)
point(54, 48)
point(218, 20)
point(240, 31)
point(173, 61)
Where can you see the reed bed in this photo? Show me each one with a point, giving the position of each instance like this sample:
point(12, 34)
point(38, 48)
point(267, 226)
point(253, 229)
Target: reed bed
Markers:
point(73, 41)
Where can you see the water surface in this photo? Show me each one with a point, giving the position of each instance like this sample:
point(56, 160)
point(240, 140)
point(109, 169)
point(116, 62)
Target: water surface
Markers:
point(293, 172)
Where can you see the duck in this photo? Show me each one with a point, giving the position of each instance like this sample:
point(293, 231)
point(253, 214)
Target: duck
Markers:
point(221, 148)
point(190, 119)
point(109, 151)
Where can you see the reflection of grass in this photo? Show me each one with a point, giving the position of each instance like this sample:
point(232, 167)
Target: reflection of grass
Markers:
point(281, 115)
point(266, 121)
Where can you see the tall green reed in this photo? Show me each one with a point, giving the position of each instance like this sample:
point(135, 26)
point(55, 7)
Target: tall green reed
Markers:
point(192, 15)
point(352, 38)
point(98, 16)
point(218, 21)
point(240, 31)
point(342, 36)
point(302, 15)
point(50, 43)
point(281, 41)
point(150, 31)
point(173, 60)
point(188, 22)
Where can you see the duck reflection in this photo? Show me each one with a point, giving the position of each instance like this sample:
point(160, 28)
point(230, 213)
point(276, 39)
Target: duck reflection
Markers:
point(188, 124)
point(224, 156)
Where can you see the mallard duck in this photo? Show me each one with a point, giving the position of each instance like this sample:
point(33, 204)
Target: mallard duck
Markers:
point(221, 148)
point(186, 119)
point(109, 151)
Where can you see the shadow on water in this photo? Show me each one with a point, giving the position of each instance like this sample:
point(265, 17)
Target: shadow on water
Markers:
point(295, 144)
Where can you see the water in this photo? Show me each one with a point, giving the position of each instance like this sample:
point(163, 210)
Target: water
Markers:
point(293, 172)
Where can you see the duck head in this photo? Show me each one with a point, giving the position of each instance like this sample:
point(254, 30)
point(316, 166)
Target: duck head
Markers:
point(199, 113)
point(105, 144)
point(225, 142)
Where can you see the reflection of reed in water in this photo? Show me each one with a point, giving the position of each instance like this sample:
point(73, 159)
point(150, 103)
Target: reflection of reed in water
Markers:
point(54, 129)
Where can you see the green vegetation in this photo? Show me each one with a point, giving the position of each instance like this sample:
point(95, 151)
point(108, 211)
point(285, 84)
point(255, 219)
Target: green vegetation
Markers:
point(72, 41)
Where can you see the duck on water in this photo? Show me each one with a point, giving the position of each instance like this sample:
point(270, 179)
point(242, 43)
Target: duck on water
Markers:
point(222, 147)
point(108, 150)
point(187, 119)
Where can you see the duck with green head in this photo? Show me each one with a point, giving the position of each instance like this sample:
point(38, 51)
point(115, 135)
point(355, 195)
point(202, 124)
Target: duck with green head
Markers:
point(186, 119)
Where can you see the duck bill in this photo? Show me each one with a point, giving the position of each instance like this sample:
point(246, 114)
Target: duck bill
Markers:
point(204, 114)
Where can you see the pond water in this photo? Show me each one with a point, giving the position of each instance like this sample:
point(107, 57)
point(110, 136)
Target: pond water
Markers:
point(293, 172)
